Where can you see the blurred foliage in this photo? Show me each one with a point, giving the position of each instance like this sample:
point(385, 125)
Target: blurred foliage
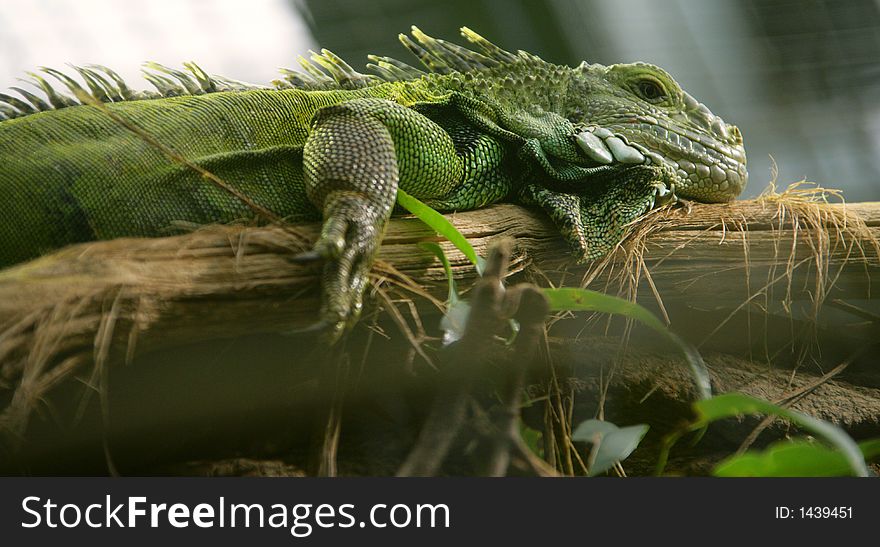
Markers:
point(778, 460)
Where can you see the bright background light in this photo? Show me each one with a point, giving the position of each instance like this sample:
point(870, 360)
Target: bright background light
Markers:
point(244, 40)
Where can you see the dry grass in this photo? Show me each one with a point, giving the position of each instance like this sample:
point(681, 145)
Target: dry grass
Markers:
point(804, 213)
point(81, 333)
point(92, 313)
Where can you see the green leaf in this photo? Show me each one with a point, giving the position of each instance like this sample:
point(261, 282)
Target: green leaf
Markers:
point(437, 251)
point(439, 224)
point(589, 430)
point(736, 404)
point(617, 446)
point(455, 321)
point(611, 444)
point(870, 449)
point(457, 310)
point(533, 438)
point(795, 458)
point(572, 299)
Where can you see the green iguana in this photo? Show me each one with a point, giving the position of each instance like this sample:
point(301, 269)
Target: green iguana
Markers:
point(594, 146)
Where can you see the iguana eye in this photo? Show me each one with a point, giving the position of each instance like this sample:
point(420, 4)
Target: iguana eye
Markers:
point(650, 90)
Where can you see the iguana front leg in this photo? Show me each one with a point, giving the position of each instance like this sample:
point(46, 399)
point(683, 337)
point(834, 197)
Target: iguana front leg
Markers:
point(356, 156)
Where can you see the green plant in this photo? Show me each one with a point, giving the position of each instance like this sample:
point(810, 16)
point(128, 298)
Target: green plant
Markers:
point(736, 404)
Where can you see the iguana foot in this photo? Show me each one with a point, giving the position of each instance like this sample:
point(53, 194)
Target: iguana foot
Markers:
point(348, 242)
point(606, 148)
point(347, 245)
point(664, 193)
point(685, 203)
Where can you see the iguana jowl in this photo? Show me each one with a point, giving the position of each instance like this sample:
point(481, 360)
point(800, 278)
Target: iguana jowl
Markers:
point(594, 146)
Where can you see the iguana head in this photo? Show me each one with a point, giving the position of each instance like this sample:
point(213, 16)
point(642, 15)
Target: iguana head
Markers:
point(643, 104)
point(620, 114)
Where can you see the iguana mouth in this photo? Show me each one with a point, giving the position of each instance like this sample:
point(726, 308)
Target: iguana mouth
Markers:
point(711, 169)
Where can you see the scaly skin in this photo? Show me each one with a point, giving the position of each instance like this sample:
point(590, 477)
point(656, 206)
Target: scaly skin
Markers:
point(594, 146)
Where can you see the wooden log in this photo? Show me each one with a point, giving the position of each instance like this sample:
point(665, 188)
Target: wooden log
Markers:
point(112, 299)
point(229, 280)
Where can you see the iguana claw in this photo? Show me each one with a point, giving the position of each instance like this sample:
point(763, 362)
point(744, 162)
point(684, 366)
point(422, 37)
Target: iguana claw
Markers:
point(686, 203)
point(347, 245)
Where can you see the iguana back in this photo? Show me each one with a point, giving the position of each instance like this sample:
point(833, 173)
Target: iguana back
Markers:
point(74, 174)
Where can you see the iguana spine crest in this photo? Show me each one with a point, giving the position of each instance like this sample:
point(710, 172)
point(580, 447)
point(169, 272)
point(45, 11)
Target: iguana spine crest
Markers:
point(325, 71)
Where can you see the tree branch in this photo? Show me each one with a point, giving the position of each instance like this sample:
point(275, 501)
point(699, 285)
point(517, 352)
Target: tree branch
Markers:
point(225, 281)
